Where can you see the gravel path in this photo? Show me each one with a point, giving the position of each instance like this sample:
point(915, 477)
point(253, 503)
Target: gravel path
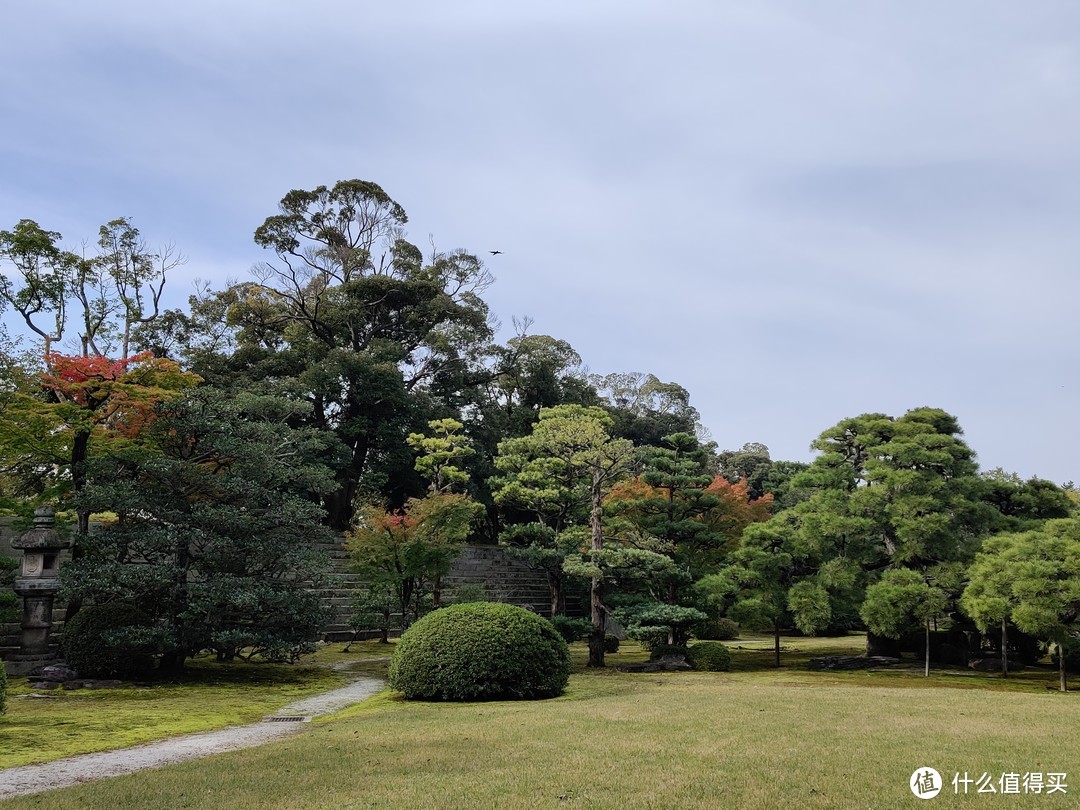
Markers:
point(60, 773)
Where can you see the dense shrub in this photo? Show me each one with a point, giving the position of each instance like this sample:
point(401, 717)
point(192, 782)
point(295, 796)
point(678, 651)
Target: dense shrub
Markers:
point(709, 656)
point(3, 688)
point(9, 601)
point(721, 629)
point(650, 637)
point(480, 651)
point(666, 650)
point(611, 643)
point(571, 629)
point(103, 641)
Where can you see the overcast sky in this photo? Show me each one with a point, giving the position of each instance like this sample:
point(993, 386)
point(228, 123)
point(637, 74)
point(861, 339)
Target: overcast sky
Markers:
point(801, 211)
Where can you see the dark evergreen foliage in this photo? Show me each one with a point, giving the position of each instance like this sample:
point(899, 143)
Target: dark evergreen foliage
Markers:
point(112, 640)
point(215, 532)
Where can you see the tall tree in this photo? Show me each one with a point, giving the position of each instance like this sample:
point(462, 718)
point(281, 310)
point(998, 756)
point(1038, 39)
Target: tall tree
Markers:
point(109, 293)
point(562, 472)
point(349, 315)
point(886, 493)
point(645, 409)
point(40, 287)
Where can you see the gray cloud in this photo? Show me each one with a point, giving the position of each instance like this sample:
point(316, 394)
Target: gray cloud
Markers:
point(799, 211)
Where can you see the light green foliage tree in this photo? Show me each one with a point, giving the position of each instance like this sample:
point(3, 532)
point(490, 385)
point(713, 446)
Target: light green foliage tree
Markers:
point(1034, 578)
point(774, 581)
point(886, 492)
point(439, 452)
point(38, 279)
point(645, 409)
point(899, 597)
point(1024, 504)
point(561, 472)
point(107, 294)
point(405, 553)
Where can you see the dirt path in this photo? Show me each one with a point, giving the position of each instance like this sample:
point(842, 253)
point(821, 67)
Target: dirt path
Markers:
point(27, 779)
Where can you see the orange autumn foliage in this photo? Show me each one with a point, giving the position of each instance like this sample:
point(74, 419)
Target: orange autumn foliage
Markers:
point(119, 395)
point(736, 510)
point(729, 518)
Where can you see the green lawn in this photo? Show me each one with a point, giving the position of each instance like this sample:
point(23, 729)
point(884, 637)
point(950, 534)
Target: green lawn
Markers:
point(752, 738)
point(208, 696)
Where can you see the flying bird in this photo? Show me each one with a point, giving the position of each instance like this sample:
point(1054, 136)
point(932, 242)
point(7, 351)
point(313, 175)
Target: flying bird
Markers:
point(495, 252)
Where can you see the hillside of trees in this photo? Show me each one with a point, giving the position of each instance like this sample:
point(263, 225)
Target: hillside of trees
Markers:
point(354, 385)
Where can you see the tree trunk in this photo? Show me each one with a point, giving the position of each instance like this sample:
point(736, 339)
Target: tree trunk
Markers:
point(1061, 668)
point(436, 591)
point(80, 451)
point(776, 642)
point(1004, 650)
point(673, 599)
point(926, 669)
point(405, 597)
point(596, 588)
point(554, 591)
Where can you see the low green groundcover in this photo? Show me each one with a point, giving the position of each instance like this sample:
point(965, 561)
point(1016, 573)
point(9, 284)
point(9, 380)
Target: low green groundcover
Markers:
point(480, 651)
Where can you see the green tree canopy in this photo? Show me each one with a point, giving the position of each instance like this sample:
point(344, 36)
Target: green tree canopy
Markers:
point(1032, 577)
point(214, 533)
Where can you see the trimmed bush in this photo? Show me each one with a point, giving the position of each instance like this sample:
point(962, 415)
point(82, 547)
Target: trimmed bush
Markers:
point(571, 629)
point(650, 637)
point(480, 651)
point(721, 629)
point(611, 643)
point(709, 656)
point(665, 650)
point(99, 641)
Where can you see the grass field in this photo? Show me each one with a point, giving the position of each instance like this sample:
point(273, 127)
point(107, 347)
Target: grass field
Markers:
point(752, 738)
point(208, 696)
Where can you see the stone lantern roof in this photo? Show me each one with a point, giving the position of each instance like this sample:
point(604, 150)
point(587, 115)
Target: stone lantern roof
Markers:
point(44, 534)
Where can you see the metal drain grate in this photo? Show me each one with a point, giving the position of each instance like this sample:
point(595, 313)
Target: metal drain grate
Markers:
point(287, 718)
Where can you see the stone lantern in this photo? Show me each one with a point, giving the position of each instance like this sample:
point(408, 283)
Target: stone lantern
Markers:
point(37, 584)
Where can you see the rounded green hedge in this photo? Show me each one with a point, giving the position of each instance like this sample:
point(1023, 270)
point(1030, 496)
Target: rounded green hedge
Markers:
point(480, 651)
point(709, 656)
point(667, 651)
point(96, 641)
point(722, 629)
